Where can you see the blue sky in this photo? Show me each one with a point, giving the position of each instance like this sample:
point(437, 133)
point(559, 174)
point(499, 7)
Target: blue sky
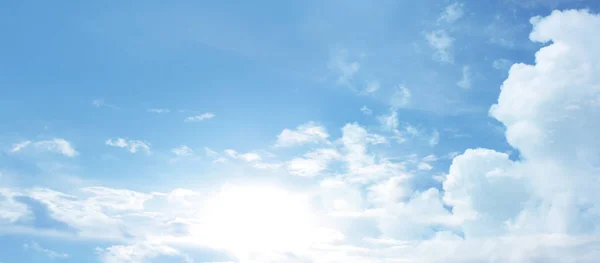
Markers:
point(307, 131)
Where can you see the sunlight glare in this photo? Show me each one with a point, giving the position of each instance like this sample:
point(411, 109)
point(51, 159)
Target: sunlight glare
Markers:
point(249, 219)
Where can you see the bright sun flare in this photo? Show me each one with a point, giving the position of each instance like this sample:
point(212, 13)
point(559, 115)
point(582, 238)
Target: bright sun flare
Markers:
point(248, 219)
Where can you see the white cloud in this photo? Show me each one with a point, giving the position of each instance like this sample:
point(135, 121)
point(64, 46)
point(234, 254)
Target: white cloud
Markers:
point(392, 190)
point(372, 86)
point(137, 253)
point(135, 145)
point(10, 209)
point(465, 80)
point(424, 166)
point(181, 195)
point(19, 146)
point(56, 145)
point(119, 142)
point(231, 153)
point(430, 158)
point(434, 139)
point(452, 13)
point(401, 97)
point(366, 110)
point(159, 111)
point(355, 144)
point(389, 122)
point(551, 187)
point(359, 163)
point(312, 163)
point(49, 253)
point(306, 133)
point(210, 153)
point(501, 64)
point(201, 117)
point(250, 157)
point(476, 178)
point(99, 103)
point(116, 199)
point(220, 160)
point(420, 212)
point(132, 146)
point(341, 65)
point(442, 43)
point(182, 151)
point(266, 166)
point(411, 130)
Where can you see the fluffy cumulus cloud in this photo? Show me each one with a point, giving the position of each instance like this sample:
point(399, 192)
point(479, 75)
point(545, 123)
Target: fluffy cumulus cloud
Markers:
point(57, 145)
point(361, 205)
point(550, 110)
point(306, 133)
point(133, 146)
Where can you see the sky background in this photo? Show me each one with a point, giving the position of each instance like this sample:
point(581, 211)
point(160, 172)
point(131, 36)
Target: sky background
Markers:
point(299, 131)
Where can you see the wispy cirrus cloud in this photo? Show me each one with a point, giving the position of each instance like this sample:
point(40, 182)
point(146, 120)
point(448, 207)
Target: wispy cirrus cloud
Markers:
point(201, 117)
point(100, 103)
point(442, 43)
point(452, 13)
point(465, 80)
point(133, 146)
point(248, 157)
point(401, 97)
point(344, 67)
point(56, 145)
point(439, 39)
point(372, 86)
point(48, 252)
point(158, 110)
point(366, 110)
point(210, 152)
point(20, 146)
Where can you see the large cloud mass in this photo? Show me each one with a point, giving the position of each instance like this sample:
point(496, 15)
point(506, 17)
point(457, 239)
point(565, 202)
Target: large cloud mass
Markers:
point(551, 112)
